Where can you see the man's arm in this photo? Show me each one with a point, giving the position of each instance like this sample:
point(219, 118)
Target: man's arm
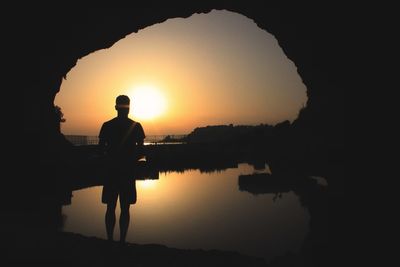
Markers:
point(140, 147)
point(102, 145)
point(102, 141)
point(140, 142)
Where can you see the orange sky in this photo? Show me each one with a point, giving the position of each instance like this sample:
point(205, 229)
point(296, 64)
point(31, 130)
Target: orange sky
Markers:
point(209, 69)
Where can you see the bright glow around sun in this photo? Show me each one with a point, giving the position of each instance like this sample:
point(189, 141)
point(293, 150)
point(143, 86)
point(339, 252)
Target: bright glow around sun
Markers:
point(147, 102)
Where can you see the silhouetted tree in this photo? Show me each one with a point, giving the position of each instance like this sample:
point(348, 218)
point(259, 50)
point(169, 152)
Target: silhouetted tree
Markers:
point(59, 114)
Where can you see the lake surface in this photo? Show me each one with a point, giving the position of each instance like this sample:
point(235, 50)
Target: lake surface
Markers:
point(194, 210)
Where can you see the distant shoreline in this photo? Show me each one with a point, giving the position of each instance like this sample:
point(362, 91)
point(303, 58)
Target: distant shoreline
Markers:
point(80, 140)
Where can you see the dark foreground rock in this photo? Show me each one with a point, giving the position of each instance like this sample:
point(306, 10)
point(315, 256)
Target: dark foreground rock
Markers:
point(68, 249)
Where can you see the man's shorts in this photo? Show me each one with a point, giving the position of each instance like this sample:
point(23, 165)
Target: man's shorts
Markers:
point(125, 189)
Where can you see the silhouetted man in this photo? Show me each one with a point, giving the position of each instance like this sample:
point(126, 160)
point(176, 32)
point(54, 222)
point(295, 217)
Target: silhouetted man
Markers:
point(122, 140)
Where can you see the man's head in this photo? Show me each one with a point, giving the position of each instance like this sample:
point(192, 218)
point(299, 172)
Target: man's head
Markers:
point(122, 105)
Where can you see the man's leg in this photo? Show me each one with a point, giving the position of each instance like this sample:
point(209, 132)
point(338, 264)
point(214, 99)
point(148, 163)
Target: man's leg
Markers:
point(110, 220)
point(124, 220)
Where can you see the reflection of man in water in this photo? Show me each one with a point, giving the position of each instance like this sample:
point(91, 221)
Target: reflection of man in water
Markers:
point(122, 140)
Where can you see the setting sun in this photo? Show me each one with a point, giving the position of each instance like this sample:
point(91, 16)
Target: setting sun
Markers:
point(147, 102)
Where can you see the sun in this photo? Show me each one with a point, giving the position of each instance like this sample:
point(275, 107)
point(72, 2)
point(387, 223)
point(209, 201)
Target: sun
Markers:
point(147, 102)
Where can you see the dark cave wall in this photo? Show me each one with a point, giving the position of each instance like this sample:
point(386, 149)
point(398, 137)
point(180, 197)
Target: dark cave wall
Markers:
point(54, 39)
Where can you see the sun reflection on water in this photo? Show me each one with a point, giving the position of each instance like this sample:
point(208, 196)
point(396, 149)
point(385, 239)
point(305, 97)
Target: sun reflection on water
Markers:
point(146, 184)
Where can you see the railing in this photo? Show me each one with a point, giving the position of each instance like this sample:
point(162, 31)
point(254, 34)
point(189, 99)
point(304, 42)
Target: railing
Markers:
point(80, 140)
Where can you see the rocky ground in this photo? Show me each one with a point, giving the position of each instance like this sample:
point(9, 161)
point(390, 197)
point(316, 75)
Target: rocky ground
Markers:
point(68, 249)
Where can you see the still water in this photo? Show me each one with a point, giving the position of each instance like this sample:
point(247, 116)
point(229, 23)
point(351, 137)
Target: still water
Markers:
point(194, 210)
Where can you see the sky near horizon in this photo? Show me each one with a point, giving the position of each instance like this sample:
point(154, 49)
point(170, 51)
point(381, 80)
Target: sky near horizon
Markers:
point(209, 69)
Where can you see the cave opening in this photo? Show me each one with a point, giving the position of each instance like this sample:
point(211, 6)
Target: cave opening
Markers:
point(216, 68)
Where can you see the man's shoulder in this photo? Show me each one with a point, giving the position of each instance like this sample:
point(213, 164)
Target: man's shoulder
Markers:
point(138, 128)
point(111, 124)
point(135, 122)
point(138, 125)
